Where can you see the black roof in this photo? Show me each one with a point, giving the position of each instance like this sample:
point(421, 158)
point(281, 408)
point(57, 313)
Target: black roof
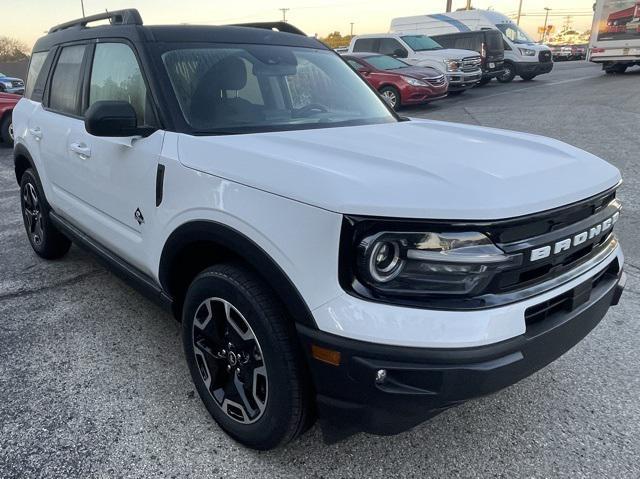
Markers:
point(128, 24)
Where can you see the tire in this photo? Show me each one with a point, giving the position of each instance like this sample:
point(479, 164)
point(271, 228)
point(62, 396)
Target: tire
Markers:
point(392, 96)
point(45, 239)
point(252, 351)
point(6, 130)
point(509, 73)
point(528, 76)
point(484, 81)
point(616, 68)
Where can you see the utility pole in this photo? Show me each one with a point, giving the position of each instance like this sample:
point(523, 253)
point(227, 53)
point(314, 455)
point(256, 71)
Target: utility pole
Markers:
point(82, 5)
point(449, 5)
point(519, 13)
point(468, 4)
point(546, 20)
point(284, 13)
point(351, 28)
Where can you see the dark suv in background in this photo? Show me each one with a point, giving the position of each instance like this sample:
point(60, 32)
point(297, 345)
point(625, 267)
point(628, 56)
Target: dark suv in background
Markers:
point(488, 43)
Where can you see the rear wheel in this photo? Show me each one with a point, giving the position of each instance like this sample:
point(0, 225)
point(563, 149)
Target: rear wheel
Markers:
point(391, 96)
point(45, 239)
point(243, 357)
point(6, 130)
point(616, 68)
point(508, 75)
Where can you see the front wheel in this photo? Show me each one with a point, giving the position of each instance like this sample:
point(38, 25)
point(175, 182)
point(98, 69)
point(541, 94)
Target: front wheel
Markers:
point(243, 357)
point(6, 130)
point(528, 76)
point(392, 96)
point(45, 239)
point(508, 74)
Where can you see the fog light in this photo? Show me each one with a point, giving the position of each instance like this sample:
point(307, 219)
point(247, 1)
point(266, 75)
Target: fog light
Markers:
point(381, 376)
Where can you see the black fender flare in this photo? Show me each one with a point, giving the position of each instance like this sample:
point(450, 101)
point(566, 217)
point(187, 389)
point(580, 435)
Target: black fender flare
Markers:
point(217, 233)
point(20, 153)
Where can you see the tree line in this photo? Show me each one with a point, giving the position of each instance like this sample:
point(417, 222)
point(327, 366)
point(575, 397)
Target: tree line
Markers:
point(13, 50)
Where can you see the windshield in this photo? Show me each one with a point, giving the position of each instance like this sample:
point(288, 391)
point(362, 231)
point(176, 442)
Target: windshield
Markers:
point(514, 33)
point(384, 62)
point(421, 43)
point(225, 89)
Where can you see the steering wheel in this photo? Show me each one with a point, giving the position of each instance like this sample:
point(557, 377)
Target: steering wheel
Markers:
point(310, 108)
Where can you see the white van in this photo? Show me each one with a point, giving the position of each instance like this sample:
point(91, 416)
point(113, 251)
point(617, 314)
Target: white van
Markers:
point(463, 68)
point(522, 56)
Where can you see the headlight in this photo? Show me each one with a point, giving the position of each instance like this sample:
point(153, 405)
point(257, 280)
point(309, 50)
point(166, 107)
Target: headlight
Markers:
point(453, 65)
point(7, 83)
point(527, 52)
point(414, 81)
point(429, 263)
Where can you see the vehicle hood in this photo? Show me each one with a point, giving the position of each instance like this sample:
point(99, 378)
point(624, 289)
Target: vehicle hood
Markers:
point(418, 72)
point(414, 169)
point(448, 54)
point(9, 79)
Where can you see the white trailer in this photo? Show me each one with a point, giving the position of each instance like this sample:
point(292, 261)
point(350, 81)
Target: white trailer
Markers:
point(615, 36)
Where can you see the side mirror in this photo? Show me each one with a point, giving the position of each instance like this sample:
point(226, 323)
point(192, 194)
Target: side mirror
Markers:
point(400, 53)
point(116, 119)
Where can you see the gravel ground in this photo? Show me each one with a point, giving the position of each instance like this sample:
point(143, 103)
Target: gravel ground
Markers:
point(93, 382)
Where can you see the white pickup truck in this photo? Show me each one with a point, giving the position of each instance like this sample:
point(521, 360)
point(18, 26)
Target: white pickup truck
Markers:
point(615, 37)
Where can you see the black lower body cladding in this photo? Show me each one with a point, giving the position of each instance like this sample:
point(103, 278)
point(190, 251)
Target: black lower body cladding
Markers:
point(386, 390)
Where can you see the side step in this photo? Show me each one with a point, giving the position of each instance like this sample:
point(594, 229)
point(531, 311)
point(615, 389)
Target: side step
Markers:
point(130, 274)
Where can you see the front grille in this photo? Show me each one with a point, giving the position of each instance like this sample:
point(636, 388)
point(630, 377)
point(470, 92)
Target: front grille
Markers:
point(439, 81)
point(17, 83)
point(471, 64)
point(567, 302)
point(544, 56)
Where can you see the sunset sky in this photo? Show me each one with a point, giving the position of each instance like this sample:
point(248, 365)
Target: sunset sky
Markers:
point(28, 19)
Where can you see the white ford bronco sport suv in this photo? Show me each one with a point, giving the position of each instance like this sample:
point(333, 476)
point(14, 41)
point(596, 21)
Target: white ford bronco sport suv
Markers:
point(325, 257)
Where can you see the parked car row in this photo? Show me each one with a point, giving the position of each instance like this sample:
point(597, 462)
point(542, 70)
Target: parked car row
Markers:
point(461, 49)
point(11, 85)
point(568, 52)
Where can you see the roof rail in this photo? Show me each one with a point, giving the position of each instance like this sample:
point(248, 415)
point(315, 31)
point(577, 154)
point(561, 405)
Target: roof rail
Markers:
point(129, 16)
point(279, 26)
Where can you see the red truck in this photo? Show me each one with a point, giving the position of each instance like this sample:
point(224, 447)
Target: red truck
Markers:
point(7, 102)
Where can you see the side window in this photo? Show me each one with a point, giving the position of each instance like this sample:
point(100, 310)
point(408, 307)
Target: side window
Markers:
point(116, 76)
point(356, 65)
point(35, 66)
point(365, 45)
point(65, 84)
point(312, 85)
point(388, 46)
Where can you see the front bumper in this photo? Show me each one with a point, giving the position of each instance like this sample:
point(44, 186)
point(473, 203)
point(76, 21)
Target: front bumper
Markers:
point(14, 90)
point(533, 68)
point(463, 81)
point(488, 72)
point(419, 383)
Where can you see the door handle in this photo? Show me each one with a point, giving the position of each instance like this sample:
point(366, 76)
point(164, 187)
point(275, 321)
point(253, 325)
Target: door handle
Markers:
point(36, 133)
point(81, 149)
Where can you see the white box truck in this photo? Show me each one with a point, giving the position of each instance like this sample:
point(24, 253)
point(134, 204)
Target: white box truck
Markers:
point(522, 56)
point(615, 37)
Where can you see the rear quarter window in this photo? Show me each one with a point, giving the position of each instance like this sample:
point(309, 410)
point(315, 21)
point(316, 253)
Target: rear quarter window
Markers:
point(35, 67)
point(65, 84)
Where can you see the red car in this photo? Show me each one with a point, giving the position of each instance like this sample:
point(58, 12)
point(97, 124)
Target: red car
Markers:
point(398, 82)
point(7, 102)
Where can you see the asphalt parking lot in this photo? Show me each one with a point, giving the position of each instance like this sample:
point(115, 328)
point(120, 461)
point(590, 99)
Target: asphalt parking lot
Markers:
point(93, 382)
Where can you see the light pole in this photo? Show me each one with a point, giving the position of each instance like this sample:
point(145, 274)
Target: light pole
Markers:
point(449, 5)
point(546, 19)
point(82, 5)
point(519, 13)
point(468, 4)
point(351, 28)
